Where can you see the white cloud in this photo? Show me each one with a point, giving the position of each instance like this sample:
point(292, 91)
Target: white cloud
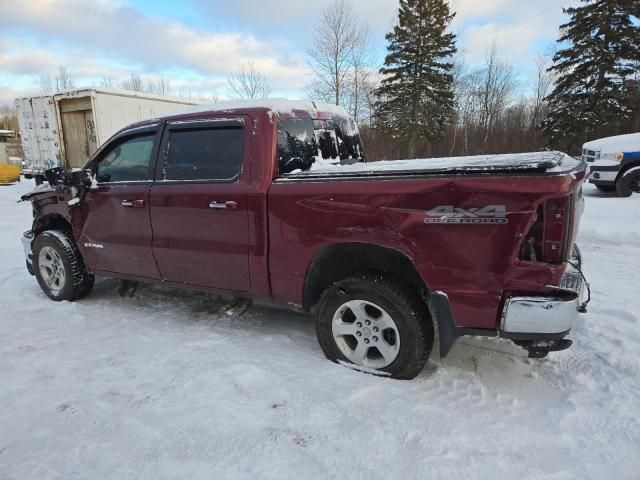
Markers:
point(110, 38)
point(518, 28)
point(113, 32)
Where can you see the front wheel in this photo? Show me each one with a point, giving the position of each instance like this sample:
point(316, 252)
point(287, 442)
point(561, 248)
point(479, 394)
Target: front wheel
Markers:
point(628, 182)
point(378, 324)
point(59, 268)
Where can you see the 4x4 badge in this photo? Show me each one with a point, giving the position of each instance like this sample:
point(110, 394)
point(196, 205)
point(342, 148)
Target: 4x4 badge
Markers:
point(479, 215)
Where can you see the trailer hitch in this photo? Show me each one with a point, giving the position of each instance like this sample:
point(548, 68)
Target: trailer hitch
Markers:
point(540, 349)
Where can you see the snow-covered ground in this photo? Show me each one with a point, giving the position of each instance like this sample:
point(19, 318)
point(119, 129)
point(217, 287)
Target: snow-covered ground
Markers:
point(162, 385)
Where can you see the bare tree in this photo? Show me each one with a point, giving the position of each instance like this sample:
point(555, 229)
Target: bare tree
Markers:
point(337, 58)
point(46, 83)
point(63, 80)
point(360, 80)
point(134, 83)
point(248, 83)
point(496, 85)
point(161, 87)
point(107, 81)
point(542, 85)
point(8, 118)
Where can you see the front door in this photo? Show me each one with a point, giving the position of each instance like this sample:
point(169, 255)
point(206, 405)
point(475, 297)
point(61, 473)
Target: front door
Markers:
point(199, 205)
point(112, 225)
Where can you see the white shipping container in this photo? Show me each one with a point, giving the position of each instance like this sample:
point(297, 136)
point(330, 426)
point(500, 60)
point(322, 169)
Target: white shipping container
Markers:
point(39, 133)
point(68, 127)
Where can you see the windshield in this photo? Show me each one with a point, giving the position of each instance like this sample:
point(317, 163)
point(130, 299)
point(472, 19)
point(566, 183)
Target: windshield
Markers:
point(305, 142)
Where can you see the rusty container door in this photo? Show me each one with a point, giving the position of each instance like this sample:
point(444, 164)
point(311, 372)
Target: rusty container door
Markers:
point(78, 130)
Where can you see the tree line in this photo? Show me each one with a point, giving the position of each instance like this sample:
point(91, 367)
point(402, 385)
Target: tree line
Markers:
point(426, 101)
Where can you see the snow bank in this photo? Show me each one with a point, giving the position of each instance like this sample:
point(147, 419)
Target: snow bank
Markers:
point(166, 385)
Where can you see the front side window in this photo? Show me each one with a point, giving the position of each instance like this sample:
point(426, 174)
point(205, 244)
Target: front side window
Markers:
point(128, 161)
point(203, 154)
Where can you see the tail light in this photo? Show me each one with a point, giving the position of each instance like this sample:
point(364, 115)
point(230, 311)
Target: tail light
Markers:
point(546, 240)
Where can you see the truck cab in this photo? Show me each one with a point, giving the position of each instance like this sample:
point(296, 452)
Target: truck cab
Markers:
point(614, 163)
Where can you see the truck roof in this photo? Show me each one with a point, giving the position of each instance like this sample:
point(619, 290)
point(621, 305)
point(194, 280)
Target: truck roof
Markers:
point(280, 106)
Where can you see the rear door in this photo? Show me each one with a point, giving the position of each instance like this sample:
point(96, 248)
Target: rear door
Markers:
point(112, 221)
point(78, 130)
point(199, 204)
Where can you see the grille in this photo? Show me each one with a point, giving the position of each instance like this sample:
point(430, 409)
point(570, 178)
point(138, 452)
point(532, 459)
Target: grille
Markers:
point(590, 155)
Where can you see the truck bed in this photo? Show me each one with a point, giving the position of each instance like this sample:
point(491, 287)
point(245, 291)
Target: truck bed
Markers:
point(520, 163)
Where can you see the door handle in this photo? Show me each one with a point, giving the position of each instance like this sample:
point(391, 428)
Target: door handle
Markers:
point(133, 203)
point(230, 205)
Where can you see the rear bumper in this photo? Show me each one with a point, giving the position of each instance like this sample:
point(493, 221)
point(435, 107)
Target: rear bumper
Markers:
point(545, 317)
point(539, 318)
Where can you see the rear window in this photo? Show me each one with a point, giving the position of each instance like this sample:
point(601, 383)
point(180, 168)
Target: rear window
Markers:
point(303, 142)
point(203, 154)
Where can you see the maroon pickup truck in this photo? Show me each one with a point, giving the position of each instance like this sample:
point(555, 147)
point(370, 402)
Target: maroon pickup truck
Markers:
point(275, 201)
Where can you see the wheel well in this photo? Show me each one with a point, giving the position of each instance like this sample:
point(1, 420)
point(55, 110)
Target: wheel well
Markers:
point(627, 167)
point(335, 262)
point(51, 222)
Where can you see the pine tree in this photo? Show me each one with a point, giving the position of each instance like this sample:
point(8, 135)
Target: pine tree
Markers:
point(600, 45)
point(415, 97)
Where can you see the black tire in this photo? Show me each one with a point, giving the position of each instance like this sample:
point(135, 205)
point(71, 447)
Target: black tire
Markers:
point(628, 182)
point(77, 281)
point(405, 307)
point(606, 188)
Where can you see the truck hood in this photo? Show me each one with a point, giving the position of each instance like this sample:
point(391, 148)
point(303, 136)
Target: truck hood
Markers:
point(44, 188)
point(615, 144)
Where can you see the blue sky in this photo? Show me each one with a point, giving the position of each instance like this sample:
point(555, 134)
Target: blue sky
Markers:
point(197, 43)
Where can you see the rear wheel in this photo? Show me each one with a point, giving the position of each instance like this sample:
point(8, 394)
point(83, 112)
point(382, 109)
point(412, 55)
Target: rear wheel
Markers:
point(59, 268)
point(628, 182)
point(375, 323)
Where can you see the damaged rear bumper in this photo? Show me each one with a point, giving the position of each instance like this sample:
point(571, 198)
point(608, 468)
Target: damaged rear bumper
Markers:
point(546, 317)
point(540, 323)
point(539, 318)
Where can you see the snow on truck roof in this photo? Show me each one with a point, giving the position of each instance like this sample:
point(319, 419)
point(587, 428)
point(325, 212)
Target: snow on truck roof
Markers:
point(280, 106)
point(549, 161)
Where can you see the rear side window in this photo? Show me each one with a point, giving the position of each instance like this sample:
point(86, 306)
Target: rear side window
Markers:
point(304, 142)
point(203, 154)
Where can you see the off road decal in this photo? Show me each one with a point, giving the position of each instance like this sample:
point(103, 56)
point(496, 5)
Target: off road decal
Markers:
point(479, 215)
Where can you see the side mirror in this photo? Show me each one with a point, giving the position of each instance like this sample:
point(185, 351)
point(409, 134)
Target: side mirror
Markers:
point(61, 177)
point(55, 176)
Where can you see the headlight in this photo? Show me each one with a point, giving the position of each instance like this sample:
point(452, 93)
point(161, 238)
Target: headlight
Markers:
point(612, 156)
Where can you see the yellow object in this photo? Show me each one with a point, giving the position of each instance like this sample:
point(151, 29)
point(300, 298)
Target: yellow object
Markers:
point(9, 173)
